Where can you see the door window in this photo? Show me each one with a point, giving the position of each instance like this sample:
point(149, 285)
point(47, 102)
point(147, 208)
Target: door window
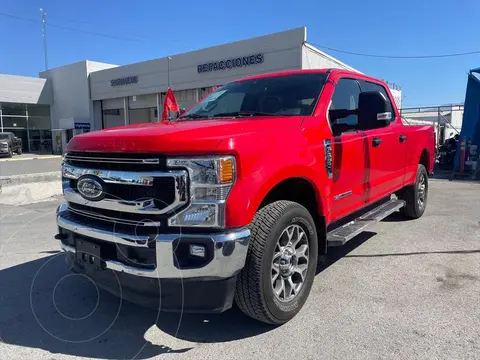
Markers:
point(346, 97)
point(369, 86)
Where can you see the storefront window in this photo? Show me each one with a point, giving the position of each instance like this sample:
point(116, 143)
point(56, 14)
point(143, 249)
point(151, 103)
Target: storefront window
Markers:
point(14, 122)
point(14, 109)
point(39, 123)
point(31, 123)
point(38, 110)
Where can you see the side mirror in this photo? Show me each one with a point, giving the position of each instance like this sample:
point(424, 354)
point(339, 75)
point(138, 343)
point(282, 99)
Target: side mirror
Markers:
point(338, 127)
point(372, 107)
point(336, 114)
point(182, 110)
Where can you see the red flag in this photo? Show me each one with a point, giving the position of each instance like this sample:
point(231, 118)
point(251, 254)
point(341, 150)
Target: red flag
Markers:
point(170, 105)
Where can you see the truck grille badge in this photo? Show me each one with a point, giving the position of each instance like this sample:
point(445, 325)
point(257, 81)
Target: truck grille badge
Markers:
point(327, 145)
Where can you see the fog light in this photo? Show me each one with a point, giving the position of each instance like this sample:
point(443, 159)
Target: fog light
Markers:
point(197, 250)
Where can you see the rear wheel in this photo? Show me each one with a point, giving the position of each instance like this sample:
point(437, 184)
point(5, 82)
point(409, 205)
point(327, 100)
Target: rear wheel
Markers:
point(416, 195)
point(280, 265)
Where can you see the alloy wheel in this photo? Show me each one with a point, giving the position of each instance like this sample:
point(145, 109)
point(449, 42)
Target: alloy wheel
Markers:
point(422, 191)
point(290, 263)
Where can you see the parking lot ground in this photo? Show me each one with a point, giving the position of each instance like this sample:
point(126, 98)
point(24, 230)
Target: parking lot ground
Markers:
point(403, 290)
point(29, 164)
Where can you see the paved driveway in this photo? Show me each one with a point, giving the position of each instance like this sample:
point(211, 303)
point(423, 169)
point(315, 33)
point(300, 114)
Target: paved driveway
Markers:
point(405, 290)
point(29, 164)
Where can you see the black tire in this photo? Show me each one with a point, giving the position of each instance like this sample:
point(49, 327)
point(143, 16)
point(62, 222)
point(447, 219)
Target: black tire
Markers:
point(254, 293)
point(411, 194)
point(10, 152)
point(19, 151)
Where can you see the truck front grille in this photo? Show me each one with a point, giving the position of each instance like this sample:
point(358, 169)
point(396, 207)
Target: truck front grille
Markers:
point(140, 197)
point(119, 162)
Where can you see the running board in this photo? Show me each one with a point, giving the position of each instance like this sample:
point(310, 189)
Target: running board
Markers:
point(342, 234)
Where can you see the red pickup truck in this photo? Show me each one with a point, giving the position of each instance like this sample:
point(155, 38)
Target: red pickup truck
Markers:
point(242, 195)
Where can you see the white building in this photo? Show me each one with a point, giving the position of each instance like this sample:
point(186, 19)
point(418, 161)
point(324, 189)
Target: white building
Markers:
point(89, 95)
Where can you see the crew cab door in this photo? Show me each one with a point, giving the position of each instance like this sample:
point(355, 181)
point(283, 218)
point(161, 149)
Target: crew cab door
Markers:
point(386, 149)
point(349, 178)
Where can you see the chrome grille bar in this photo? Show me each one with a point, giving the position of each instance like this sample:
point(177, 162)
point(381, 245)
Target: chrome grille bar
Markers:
point(146, 207)
point(119, 160)
point(143, 178)
point(98, 216)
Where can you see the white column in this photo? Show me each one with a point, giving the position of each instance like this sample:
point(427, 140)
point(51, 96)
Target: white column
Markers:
point(28, 130)
point(125, 110)
point(158, 107)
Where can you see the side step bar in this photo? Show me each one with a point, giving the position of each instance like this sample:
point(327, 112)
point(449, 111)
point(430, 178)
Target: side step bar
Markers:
point(342, 234)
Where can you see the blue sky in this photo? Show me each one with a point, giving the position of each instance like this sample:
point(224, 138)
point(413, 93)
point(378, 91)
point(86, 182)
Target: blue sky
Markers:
point(160, 28)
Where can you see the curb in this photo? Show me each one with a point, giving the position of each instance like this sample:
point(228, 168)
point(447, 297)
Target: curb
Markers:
point(41, 157)
point(30, 178)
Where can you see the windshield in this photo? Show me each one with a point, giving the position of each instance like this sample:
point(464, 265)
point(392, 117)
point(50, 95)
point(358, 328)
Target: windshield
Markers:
point(287, 95)
point(3, 136)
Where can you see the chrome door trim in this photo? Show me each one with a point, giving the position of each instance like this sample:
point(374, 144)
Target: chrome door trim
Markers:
point(342, 195)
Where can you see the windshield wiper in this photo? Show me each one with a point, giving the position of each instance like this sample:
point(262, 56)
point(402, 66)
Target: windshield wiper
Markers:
point(242, 114)
point(193, 116)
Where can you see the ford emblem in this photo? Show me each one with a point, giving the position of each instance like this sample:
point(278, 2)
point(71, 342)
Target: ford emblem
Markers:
point(91, 187)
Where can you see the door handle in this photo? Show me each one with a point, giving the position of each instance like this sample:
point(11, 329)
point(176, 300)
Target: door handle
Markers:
point(402, 138)
point(376, 141)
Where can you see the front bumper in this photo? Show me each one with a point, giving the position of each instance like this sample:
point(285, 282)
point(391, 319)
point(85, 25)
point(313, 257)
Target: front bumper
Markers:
point(228, 249)
point(209, 284)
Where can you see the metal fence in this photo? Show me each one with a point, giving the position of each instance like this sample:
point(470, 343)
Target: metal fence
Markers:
point(446, 119)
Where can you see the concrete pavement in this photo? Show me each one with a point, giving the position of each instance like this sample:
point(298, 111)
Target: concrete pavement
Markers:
point(29, 164)
point(406, 290)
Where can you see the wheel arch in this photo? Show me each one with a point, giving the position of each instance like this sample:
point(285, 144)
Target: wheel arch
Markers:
point(425, 160)
point(302, 191)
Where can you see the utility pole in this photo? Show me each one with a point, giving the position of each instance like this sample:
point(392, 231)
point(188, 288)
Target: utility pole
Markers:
point(44, 34)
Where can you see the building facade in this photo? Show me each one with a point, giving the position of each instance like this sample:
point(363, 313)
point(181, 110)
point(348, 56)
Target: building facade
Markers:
point(25, 110)
point(88, 95)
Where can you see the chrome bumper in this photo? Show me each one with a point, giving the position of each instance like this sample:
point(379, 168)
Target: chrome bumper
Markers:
point(230, 250)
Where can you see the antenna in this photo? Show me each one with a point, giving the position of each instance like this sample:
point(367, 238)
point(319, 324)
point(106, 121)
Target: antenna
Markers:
point(44, 35)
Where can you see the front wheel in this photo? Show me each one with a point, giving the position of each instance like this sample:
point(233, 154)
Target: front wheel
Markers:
point(280, 265)
point(416, 195)
point(19, 151)
point(10, 152)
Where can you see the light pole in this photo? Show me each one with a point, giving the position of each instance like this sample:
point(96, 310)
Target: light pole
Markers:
point(44, 34)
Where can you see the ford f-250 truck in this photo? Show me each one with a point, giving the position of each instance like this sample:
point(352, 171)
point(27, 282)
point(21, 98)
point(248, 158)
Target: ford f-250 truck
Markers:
point(238, 198)
point(9, 144)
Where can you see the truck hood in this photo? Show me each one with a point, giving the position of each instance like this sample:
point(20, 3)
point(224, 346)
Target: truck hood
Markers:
point(178, 137)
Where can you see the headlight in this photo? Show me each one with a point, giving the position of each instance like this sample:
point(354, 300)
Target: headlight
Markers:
point(211, 179)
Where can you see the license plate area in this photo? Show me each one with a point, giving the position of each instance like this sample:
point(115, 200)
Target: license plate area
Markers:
point(88, 254)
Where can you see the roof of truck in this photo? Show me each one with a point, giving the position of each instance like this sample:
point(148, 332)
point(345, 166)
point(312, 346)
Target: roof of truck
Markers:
point(312, 71)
